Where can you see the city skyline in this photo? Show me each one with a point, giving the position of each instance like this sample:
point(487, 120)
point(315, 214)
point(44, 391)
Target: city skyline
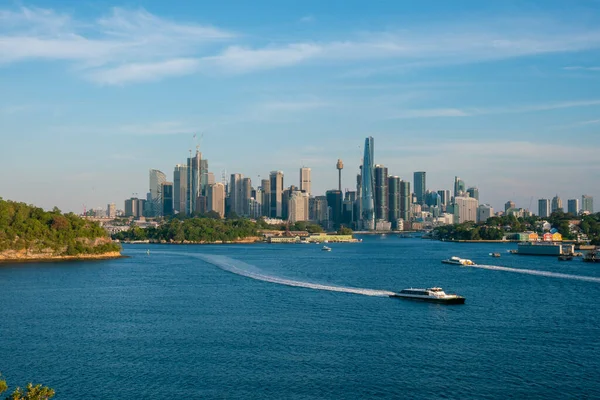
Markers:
point(513, 113)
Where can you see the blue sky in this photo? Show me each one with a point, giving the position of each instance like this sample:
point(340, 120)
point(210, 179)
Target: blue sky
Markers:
point(505, 95)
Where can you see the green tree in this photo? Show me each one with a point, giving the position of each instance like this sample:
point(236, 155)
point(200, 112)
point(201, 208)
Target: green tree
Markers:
point(37, 392)
point(344, 230)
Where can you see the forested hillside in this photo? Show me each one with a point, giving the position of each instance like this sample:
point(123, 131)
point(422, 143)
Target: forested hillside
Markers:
point(29, 229)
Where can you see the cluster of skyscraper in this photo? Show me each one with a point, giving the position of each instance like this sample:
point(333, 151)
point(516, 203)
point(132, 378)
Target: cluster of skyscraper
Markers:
point(380, 202)
point(546, 206)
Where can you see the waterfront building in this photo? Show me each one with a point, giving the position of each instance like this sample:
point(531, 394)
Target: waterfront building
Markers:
point(367, 186)
point(216, 198)
point(557, 204)
point(587, 204)
point(179, 187)
point(459, 187)
point(405, 201)
point(246, 197)
point(334, 202)
point(276, 186)
point(111, 210)
point(444, 197)
point(236, 194)
point(509, 204)
point(167, 198)
point(381, 193)
point(484, 212)
point(473, 192)
point(305, 180)
point(265, 186)
point(465, 209)
point(298, 206)
point(543, 208)
point(394, 200)
point(573, 206)
point(420, 186)
point(156, 178)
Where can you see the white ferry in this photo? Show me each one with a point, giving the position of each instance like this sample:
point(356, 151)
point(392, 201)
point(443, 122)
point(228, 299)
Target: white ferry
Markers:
point(432, 295)
point(458, 261)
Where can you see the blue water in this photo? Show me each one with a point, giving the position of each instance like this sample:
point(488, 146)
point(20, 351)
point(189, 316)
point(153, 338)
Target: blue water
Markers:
point(178, 324)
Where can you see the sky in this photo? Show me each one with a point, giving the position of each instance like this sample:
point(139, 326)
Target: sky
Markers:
point(94, 94)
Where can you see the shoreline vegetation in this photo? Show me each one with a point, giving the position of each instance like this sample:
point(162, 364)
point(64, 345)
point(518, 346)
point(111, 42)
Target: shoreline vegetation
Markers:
point(29, 233)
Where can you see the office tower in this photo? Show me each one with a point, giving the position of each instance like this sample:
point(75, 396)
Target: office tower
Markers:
point(473, 192)
point(573, 206)
point(394, 200)
point(349, 208)
point(484, 212)
point(196, 174)
point(236, 194)
point(157, 178)
point(433, 199)
point(367, 186)
point(210, 178)
point(444, 197)
point(405, 200)
point(587, 204)
point(420, 185)
point(508, 205)
point(216, 198)
point(131, 207)
point(334, 202)
point(201, 204)
point(266, 197)
point(167, 198)
point(276, 207)
point(179, 187)
point(465, 209)
point(305, 182)
point(459, 186)
point(544, 208)
point(298, 206)
point(381, 193)
point(319, 211)
point(557, 204)
point(246, 196)
point(340, 167)
point(111, 210)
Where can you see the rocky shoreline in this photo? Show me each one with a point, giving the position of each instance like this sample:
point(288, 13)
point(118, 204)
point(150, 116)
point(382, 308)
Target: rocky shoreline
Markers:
point(12, 256)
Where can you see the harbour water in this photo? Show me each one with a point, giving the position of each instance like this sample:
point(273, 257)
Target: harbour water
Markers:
point(294, 322)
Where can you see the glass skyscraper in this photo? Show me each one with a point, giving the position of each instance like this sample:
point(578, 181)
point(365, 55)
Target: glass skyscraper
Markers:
point(420, 186)
point(367, 187)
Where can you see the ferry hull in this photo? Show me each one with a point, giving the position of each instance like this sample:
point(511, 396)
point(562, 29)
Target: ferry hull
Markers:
point(454, 300)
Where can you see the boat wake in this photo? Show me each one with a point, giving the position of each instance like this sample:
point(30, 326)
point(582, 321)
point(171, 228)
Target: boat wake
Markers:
point(538, 272)
point(241, 268)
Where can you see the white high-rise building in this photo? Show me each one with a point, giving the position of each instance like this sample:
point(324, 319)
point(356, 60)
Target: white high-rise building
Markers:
point(465, 209)
point(111, 210)
point(305, 182)
point(299, 207)
point(157, 178)
point(216, 198)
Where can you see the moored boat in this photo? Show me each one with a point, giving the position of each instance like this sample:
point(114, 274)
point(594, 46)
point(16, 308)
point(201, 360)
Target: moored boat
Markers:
point(495, 255)
point(458, 261)
point(431, 295)
point(325, 248)
point(592, 257)
point(565, 257)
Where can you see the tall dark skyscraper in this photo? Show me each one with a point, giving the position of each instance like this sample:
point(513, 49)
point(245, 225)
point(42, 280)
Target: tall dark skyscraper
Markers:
point(381, 193)
point(394, 200)
point(405, 200)
point(246, 196)
point(266, 197)
point(197, 169)
point(179, 188)
point(473, 192)
point(420, 186)
point(367, 186)
point(167, 198)
point(334, 202)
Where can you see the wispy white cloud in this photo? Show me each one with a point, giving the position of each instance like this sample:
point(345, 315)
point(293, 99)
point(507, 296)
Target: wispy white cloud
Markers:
point(307, 19)
point(579, 68)
point(469, 112)
point(294, 105)
point(591, 122)
point(144, 72)
point(111, 49)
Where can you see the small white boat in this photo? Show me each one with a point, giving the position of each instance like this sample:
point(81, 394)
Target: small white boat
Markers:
point(325, 248)
point(458, 261)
